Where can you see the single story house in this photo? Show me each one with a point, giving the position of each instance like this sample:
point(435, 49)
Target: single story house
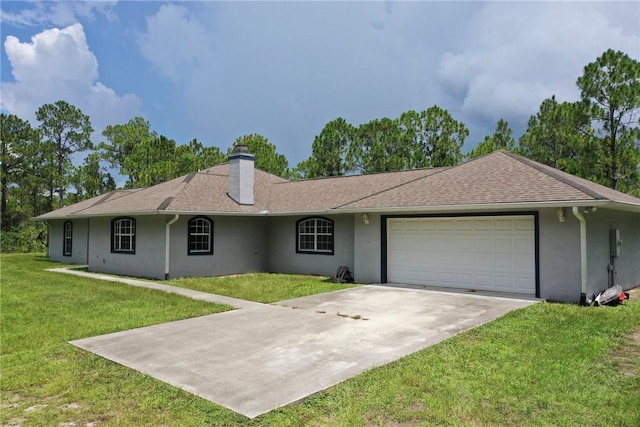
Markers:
point(496, 223)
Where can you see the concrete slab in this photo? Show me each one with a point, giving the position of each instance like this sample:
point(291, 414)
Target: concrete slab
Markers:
point(266, 356)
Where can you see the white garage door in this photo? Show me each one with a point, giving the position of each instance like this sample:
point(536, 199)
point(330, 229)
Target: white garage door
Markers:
point(494, 253)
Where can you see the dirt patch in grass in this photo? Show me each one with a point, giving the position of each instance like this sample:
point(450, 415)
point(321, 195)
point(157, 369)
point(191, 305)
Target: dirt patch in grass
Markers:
point(628, 356)
point(634, 294)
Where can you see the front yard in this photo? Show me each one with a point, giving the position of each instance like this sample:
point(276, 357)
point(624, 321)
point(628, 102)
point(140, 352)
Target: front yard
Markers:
point(548, 364)
point(261, 287)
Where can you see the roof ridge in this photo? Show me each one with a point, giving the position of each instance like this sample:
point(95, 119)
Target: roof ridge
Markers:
point(104, 197)
point(165, 203)
point(186, 180)
point(320, 178)
point(436, 171)
point(553, 173)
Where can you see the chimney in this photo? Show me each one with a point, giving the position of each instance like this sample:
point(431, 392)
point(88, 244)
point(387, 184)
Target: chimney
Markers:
point(241, 175)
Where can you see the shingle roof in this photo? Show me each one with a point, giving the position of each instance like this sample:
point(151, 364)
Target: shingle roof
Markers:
point(330, 193)
point(500, 178)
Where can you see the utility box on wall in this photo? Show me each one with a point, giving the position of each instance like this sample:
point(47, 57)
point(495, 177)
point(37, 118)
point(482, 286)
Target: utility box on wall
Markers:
point(614, 243)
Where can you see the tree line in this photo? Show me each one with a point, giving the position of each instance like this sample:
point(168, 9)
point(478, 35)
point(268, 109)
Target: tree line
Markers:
point(596, 137)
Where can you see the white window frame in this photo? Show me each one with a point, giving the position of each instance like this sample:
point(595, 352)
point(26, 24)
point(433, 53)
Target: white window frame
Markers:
point(117, 235)
point(203, 228)
point(67, 237)
point(315, 227)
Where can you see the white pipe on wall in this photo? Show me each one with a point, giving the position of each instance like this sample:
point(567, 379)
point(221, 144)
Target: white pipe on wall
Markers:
point(583, 254)
point(48, 237)
point(167, 244)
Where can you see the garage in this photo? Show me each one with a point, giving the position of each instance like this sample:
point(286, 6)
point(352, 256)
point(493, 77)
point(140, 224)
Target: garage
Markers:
point(492, 253)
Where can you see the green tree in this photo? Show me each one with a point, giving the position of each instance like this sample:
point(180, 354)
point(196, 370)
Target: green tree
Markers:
point(195, 157)
point(147, 158)
point(502, 139)
point(435, 136)
point(560, 135)
point(122, 141)
point(91, 179)
point(610, 87)
point(18, 145)
point(306, 169)
point(21, 160)
point(378, 146)
point(67, 131)
point(329, 151)
point(267, 159)
point(156, 161)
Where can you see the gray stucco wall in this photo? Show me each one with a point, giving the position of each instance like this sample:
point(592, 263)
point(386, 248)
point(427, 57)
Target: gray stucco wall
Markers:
point(78, 245)
point(283, 258)
point(627, 264)
point(559, 251)
point(559, 256)
point(251, 244)
point(367, 255)
point(148, 261)
point(239, 246)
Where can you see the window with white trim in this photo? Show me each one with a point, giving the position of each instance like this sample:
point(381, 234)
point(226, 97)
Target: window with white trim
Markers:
point(200, 236)
point(67, 239)
point(123, 235)
point(314, 236)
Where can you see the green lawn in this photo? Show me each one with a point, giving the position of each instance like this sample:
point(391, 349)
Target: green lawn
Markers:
point(261, 287)
point(548, 364)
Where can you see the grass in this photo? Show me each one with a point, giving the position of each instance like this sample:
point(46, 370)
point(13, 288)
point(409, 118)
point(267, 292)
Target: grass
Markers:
point(261, 287)
point(547, 364)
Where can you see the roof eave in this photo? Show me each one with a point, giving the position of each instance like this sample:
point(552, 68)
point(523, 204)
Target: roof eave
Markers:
point(473, 207)
point(479, 207)
point(149, 213)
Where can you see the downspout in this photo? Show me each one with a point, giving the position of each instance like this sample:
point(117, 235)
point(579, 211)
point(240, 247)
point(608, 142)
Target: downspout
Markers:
point(167, 245)
point(48, 235)
point(583, 255)
point(88, 237)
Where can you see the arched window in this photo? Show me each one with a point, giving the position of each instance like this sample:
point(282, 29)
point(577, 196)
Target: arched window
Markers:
point(200, 237)
point(123, 235)
point(314, 236)
point(67, 239)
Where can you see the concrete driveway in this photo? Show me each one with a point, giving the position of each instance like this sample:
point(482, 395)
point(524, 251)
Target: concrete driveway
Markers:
point(261, 357)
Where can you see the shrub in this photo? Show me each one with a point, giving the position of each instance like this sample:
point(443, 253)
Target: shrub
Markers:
point(26, 237)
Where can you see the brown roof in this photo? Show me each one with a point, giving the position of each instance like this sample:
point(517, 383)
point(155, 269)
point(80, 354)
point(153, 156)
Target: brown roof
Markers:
point(500, 178)
point(321, 194)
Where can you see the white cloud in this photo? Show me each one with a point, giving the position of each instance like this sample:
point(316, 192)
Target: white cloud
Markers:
point(286, 69)
point(175, 41)
point(59, 13)
point(519, 54)
point(57, 64)
point(62, 53)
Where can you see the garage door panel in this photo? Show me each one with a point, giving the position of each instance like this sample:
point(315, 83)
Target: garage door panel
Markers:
point(524, 224)
point(505, 261)
point(503, 244)
point(503, 225)
point(484, 253)
point(464, 225)
point(483, 225)
point(484, 261)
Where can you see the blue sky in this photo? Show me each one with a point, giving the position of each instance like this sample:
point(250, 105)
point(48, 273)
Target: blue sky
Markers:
point(219, 70)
